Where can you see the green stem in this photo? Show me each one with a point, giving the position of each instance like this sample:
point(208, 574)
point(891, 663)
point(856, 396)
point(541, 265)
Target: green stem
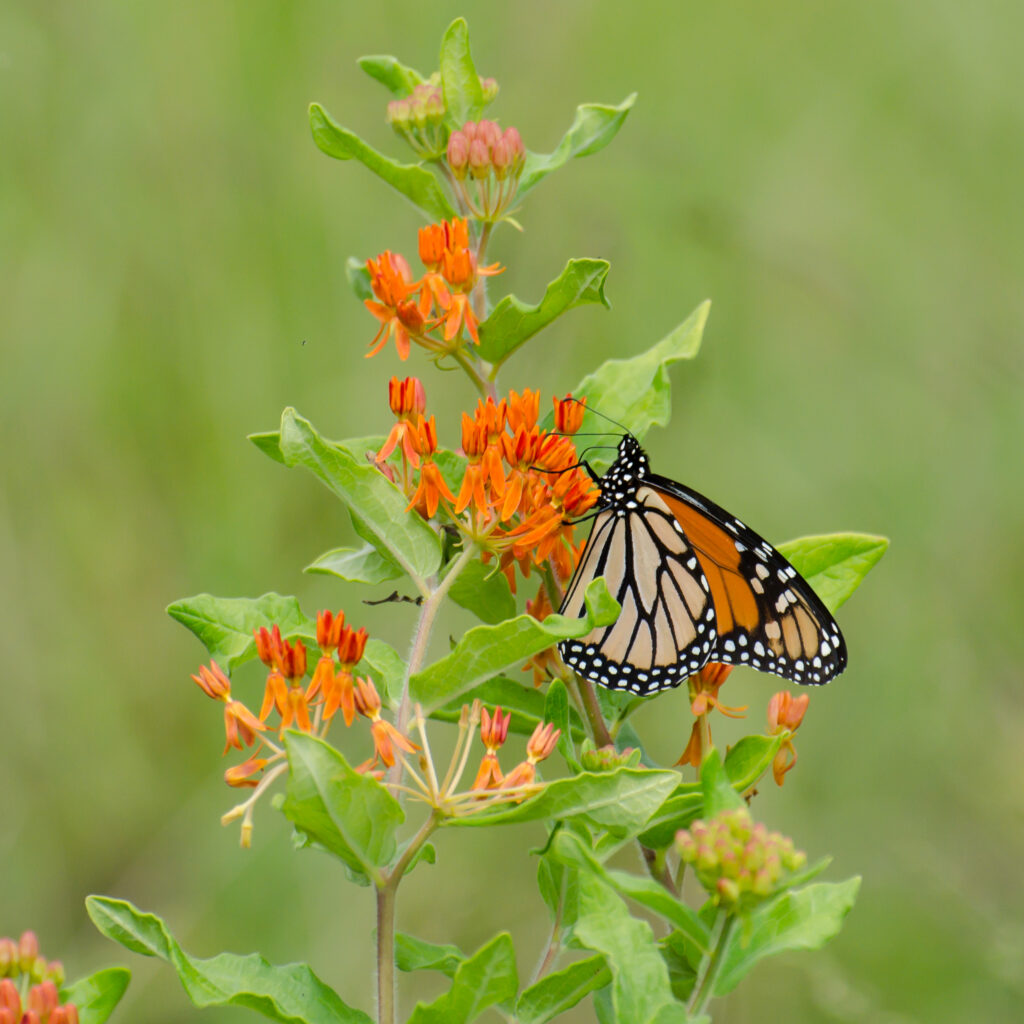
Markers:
point(711, 963)
point(598, 728)
point(386, 992)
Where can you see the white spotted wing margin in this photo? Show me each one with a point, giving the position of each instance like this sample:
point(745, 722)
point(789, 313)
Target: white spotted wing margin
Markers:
point(666, 629)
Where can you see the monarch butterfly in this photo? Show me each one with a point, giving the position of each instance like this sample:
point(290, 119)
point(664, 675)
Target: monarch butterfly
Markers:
point(695, 585)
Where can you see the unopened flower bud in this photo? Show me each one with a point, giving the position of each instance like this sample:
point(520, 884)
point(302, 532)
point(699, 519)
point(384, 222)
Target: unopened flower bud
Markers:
point(488, 132)
point(28, 950)
point(489, 87)
point(501, 159)
point(10, 1001)
point(8, 957)
point(516, 148)
point(399, 114)
point(479, 159)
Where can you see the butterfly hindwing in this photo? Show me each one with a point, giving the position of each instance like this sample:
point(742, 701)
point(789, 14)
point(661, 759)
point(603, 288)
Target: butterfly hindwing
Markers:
point(665, 631)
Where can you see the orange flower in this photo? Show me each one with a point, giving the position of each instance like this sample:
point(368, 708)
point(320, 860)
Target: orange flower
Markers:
point(241, 775)
point(213, 682)
point(328, 629)
point(538, 748)
point(391, 281)
point(339, 690)
point(569, 414)
point(785, 713)
point(240, 725)
point(704, 687)
point(408, 403)
point(432, 486)
point(524, 409)
point(385, 736)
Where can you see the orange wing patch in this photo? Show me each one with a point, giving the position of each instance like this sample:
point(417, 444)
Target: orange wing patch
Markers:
point(735, 603)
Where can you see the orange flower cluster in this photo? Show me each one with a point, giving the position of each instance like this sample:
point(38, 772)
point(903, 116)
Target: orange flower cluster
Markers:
point(308, 705)
point(493, 732)
point(411, 310)
point(522, 488)
point(704, 687)
point(29, 985)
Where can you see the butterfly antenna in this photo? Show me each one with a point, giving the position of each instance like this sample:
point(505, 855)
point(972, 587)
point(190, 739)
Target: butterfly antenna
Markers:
point(604, 416)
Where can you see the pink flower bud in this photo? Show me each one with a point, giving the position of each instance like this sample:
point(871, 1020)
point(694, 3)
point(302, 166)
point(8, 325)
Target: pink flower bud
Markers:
point(501, 159)
point(469, 129)
point(458, 153)
point(489, 132)
point(479, 159)
point(28, 950)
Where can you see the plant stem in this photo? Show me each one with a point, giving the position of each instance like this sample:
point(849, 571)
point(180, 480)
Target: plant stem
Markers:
point(598, 728)
point(711, 963)
point(386, 994)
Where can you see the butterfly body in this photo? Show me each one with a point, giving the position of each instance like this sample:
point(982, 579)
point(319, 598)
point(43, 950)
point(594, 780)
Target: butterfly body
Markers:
point(696, 585)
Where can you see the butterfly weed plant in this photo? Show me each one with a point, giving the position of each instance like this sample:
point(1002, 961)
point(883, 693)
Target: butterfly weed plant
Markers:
point(661, 887)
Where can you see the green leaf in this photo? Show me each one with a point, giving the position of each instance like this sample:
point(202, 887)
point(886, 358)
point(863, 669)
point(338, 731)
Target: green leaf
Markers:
point(620, 800)
point(637, 391)
point(560, 991)
point(358, 278)
point(682, 959)
point(391, 73)
point(463, 97)
point(416, 183)
point(513, 322)
point(412, 954)
point(383, 663)
point(269, 442)
point(594, 126)
point(487, 650)
point(357, 565)
point(640, 981)
point(378, 503)
point(483, 590)
point(556, 711)
point(684, 804)
point(835, 564)
point(718, 792)
point(351, 815)
point(292, 994)
point(570, 849)
point(225, 624)
point(749, 759)
point(487, 977)
point(96, 995)
point(800, 919)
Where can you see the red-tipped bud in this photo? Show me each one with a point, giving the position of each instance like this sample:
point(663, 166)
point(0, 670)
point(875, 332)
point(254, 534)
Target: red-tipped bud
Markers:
point(488, 132)
point(494, 728)
point(469, 129)
point(458, 154)
point(213, 682)
point(501, 159)
point(43, 998)
point(489, 87)
point(569, 414)
point(513, 140)
point(407, 397)
point(329, 626)
point(351, 646)
point(399, 113)
point(425, 440)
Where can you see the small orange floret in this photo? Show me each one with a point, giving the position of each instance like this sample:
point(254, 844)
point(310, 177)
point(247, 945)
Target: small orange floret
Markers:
point(240, 725)
point(569, 414)
point(213, 682)
point(494, 728)
point(328, 628)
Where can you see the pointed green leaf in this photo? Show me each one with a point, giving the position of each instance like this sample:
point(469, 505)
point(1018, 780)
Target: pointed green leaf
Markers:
point(715, 785)
point(637, 391)
point(619, 801)
point(560, 991)
point(595, 125)
point(681, 808)
point(463, 97)
point(640, 981)
point(835, 564)
point(357, 565)
point(416, 183)
point(571, 849)
point(391, 73)
point(225, 624)
point(369, 495)
point(268, 442)
point(487, 977)
point(484, 590)
point(350, 814)
point(291, 994)
point(96, 995)
point(412, 954)
point(358, 278)
point(749, 759)
point(487, 650)
point(513, 322)
point(800, 919)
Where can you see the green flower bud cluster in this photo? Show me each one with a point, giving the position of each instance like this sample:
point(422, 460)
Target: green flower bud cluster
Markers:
point(739, 862)
point(606, 759)
point(419, 117)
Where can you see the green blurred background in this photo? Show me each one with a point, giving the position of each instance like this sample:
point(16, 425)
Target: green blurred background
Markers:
point(843, 180)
